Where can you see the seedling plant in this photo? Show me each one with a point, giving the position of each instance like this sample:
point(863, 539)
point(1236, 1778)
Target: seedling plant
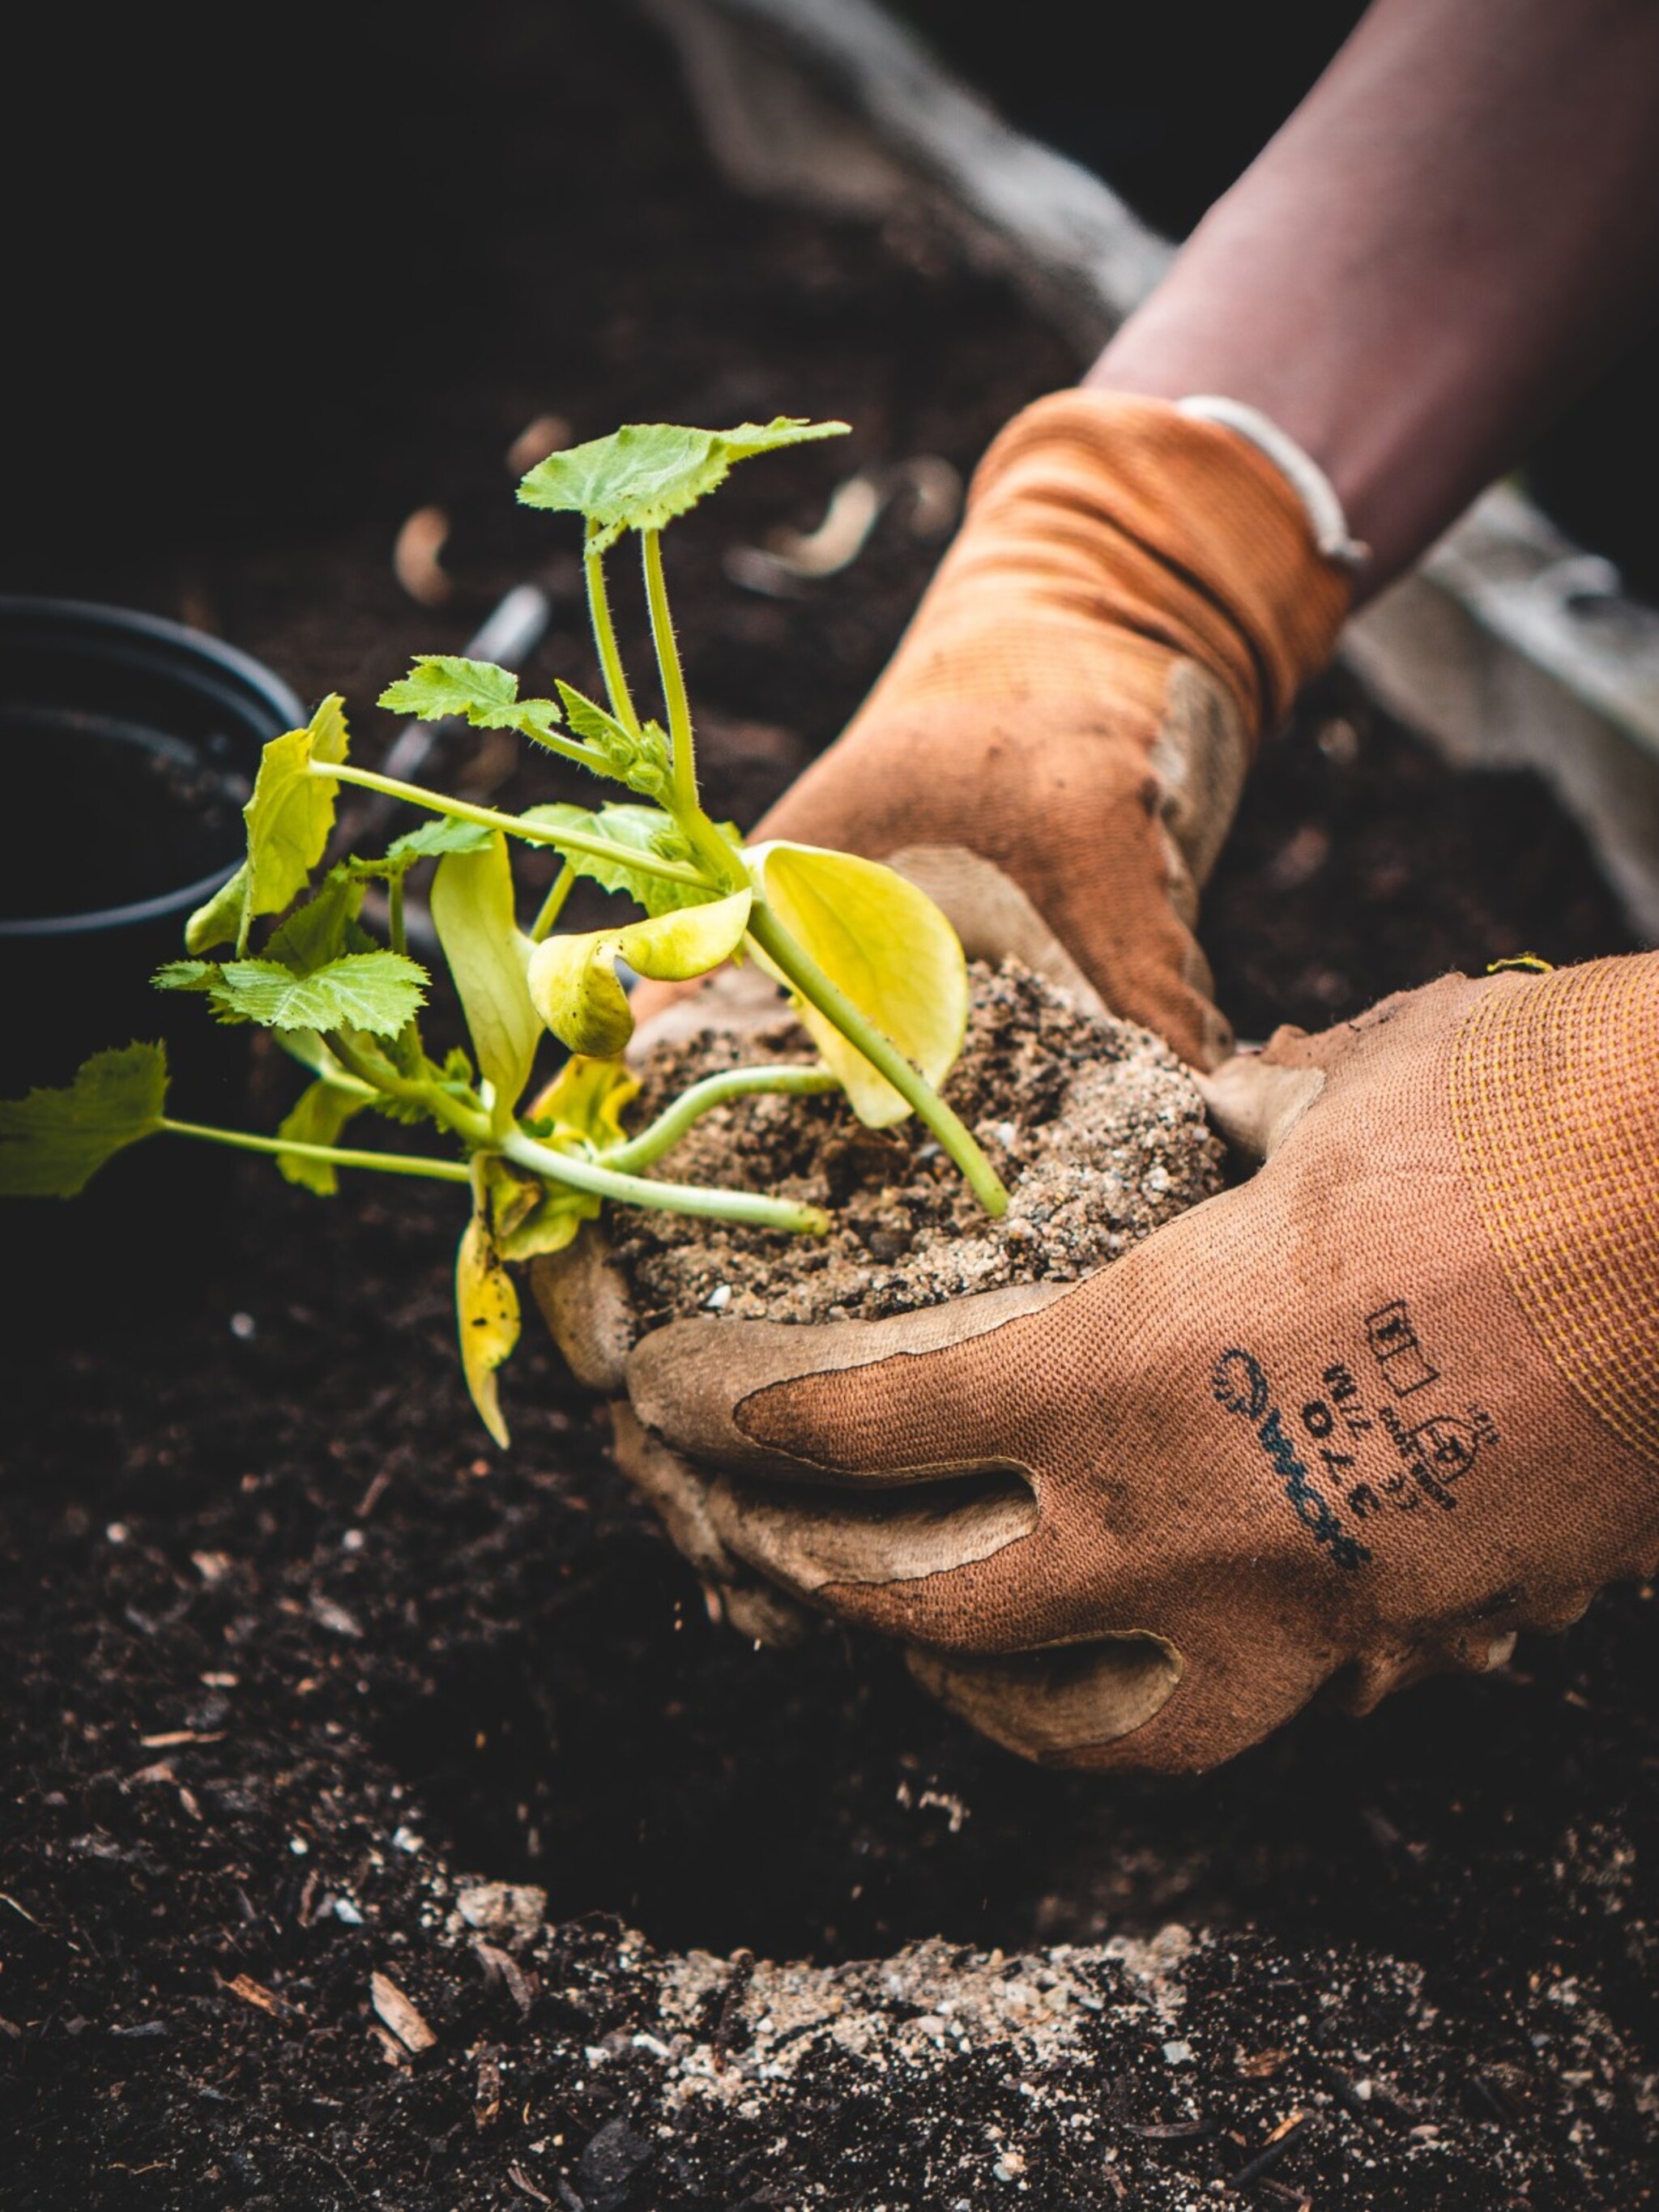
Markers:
point(873, 967)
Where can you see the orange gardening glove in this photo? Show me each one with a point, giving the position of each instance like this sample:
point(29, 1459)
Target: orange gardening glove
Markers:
point(1365, 1415)
point(1133, 599)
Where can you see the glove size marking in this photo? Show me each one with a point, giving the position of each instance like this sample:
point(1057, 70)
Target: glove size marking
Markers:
point(1240, 1386)
point(1432, 1454)
point(1394, 1344)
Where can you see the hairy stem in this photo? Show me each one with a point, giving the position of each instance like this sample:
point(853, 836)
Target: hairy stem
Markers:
point(533, 833)
point(682, 745)
point(394, 914)
point(741, 1205)
point(572, 749)
point(604, 638)
point(671, 1125)
point(336, 1155)
point(794, 961)
point(553, 904)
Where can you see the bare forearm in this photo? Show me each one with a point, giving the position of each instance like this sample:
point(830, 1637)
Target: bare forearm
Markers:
point(1435, 249)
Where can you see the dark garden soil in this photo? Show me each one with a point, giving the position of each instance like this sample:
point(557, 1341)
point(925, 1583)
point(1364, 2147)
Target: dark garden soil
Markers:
point(292, 1656)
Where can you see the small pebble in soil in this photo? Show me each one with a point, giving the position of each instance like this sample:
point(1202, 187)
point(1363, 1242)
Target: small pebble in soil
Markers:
point(1095, 1126)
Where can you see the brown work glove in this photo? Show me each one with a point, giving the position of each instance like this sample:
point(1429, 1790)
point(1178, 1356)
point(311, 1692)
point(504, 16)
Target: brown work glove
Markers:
point(1365, 1415)
point(1133, 599)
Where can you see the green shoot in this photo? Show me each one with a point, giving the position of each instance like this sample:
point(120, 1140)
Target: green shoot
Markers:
point(872, 966)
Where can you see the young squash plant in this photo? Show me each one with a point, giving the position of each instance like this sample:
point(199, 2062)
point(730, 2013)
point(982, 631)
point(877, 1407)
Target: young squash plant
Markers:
point(873, 967)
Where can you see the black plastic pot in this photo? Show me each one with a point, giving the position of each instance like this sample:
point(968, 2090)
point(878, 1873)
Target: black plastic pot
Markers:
point(128, 746)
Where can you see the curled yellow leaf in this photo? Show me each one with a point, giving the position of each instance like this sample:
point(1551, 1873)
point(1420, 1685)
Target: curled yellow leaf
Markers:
point(573, 980)
point(585, 1100)
point(574, 987)
point(883, 941)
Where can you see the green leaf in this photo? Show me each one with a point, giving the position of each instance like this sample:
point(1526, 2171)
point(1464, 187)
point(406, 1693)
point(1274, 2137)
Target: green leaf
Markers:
point(207, 978)
point(632, 829)
point(374, 991)
point(288, 818)
point(643, 475)
point(317, 932)
point(473, 910)
point(590, 721)
point(318, 1116)
point(443, 834)
point(641, 762)
point(887, 946)
point(487, 1314)
point(188, 975)
point(573, 980)
point(445, 687)
point(52, 1142)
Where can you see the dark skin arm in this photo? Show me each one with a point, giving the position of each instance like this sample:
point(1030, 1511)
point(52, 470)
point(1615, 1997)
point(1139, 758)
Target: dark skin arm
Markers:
point(1441, 243)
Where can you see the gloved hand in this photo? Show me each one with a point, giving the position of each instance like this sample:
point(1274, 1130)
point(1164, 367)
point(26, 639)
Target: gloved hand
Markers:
point(1058, 746)
point(1364, 1415)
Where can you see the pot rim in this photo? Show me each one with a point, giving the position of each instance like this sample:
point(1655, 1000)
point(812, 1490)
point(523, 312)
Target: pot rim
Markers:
point(188, 645)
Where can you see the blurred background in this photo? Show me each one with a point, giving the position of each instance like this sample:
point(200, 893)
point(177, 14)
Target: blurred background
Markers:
point(251, 253)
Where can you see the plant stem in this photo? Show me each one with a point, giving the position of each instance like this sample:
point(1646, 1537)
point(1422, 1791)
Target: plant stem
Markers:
point(394, 914)
point(572, 749)
point(475, 1130)
point(681, 748)
point(665, 1132)
point(469, 1122)
point(741, 1205)
point(604, 637)
point(832, 1002)
point(335, 1155)
point(553, 904)
point(533, 833)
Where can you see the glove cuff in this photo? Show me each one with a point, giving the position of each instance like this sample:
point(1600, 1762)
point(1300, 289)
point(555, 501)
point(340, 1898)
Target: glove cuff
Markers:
point(1318, 494)
point(1201, 541)
point(1553, 1091)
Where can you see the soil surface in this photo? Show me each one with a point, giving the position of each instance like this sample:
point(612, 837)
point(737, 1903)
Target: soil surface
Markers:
point(297, 1664)
point(1096, 1131)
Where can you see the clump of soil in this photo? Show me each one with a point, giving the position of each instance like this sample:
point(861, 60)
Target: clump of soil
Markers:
point(1094, 1125)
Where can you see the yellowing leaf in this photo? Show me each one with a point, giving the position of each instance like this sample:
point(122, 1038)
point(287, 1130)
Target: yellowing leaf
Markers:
point(289, 819)
point(551, 1225)
point(584, 1101)
point(529, 1218)
point(671, 948)
point(883, 943)
point(473, 910)
point(218, 921)
point(573, 980)
point(574, 987)
point(317, 1117)
point(487, 1313)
